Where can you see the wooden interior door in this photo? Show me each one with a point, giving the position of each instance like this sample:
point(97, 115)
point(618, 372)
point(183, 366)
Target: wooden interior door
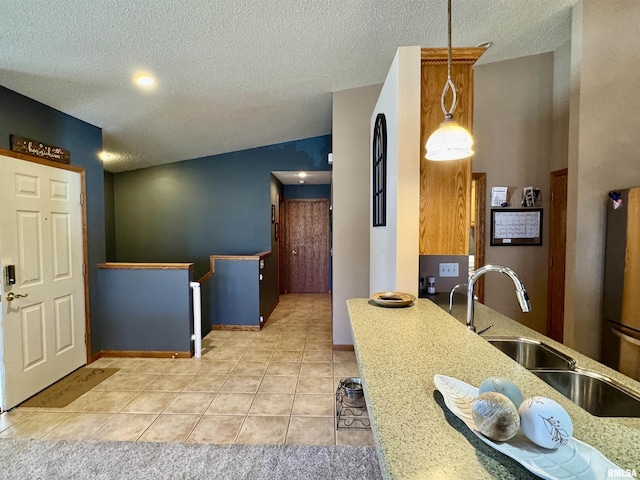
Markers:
point(557, 254)
point(307, 243)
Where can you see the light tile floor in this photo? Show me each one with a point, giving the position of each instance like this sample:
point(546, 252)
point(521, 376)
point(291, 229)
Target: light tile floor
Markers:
point(273, 386)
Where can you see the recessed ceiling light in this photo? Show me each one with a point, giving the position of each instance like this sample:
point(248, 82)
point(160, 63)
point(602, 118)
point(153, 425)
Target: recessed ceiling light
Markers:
point(144, 80)
point(302, 174)
point(105, 156)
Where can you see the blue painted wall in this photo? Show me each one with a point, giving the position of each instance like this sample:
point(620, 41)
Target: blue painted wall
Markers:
point(26, 117)
point(109, 220)
point(146, 310)
point(235, 293)
point(307, 191)
point(186, 211)
point(270, 284)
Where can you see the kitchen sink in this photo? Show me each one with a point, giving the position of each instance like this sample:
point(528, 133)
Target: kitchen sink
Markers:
point(531, 353)
point(597, 394)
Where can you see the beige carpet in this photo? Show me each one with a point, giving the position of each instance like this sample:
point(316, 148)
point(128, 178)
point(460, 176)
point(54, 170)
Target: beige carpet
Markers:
point(65, 391)
point(67, 459)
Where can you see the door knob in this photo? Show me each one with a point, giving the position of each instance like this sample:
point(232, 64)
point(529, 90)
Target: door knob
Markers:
point(294, 252)
point(12, 296)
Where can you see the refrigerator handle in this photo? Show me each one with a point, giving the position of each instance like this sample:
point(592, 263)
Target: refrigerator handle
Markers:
point(626, 337)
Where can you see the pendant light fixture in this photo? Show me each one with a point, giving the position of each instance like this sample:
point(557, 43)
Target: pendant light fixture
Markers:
point(450, 141)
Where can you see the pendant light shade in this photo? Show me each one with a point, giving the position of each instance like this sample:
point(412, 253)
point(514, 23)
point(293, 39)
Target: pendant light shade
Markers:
point(450, 141)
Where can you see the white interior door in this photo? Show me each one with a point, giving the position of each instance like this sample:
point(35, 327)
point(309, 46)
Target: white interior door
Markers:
point(43, 313)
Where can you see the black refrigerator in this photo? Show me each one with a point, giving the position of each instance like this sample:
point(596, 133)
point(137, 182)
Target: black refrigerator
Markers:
point(620, 347)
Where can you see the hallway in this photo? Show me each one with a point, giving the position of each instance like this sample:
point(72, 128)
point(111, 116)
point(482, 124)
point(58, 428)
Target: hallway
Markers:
point(274, 386)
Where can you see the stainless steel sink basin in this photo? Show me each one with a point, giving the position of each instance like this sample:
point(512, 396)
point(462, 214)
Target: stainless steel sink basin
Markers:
point(532, 353)
point(597, 394)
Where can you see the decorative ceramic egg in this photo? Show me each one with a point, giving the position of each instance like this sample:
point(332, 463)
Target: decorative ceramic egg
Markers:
point(545, 422)
point(504, 386)
point(495, 416)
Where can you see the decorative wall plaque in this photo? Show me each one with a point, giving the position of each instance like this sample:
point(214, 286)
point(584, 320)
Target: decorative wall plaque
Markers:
point(379, 193)
point(39, 149)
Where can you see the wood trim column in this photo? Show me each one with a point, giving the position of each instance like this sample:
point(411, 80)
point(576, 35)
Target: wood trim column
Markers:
point(445, 187)
point(480, 213)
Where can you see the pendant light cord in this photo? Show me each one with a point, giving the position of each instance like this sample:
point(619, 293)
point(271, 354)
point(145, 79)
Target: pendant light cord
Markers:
point(448, 114)
point(449, 40)
point(450, 141)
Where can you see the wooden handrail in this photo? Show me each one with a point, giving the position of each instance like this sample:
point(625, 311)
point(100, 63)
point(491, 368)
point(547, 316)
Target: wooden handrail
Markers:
point(145, 266)
point(213, 258)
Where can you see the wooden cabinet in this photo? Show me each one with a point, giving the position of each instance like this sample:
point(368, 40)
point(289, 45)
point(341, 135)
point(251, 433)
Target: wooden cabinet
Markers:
point(445, 187)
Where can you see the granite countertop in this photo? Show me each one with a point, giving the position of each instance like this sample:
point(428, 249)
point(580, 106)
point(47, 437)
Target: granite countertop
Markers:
point(399, 350)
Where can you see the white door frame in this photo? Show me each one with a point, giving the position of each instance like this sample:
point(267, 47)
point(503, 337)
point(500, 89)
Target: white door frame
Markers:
point(85, 249)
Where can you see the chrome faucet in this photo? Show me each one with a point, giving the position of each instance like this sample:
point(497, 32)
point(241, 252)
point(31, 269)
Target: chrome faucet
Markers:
point(521, 292)
point(453, 290)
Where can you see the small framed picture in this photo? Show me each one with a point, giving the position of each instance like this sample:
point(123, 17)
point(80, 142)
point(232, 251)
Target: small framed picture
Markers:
point(273, 214)
point(276, 231)
point(516, 227)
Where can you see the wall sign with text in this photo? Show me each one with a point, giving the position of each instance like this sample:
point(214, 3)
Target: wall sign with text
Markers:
point(39, 149)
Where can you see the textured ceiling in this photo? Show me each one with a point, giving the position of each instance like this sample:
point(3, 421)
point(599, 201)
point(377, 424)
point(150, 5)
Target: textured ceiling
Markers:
point(236, 74)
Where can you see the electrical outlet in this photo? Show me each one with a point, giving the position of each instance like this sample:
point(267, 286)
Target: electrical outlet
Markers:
point(448, 269)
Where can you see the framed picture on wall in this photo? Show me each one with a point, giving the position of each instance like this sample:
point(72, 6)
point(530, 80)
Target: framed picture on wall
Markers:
point(516, 227)
point(273, 214)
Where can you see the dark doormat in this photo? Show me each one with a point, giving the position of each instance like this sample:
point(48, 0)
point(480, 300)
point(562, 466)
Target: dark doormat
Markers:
point(65, 391)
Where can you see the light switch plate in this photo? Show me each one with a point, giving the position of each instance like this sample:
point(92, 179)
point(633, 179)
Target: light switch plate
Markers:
point(448, 269)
